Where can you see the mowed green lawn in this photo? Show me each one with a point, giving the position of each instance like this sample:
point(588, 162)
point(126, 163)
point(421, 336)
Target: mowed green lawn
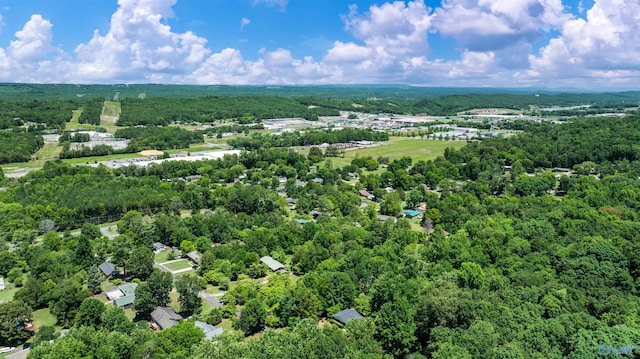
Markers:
point(50, 150)
point(397, 147)
point(42, 317)
point(179, 264)
point(7, 294)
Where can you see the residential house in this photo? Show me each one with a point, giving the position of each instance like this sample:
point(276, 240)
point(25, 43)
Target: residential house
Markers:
point(384, 218)
point(273, 264)
point(366, 194)
point(411, 213)
point(291, 202)
point(159, 247)
point(164, 318)
point(108, 269)
point(346, 315)
point(124, 295)
point(210, 332)
point(194, 257)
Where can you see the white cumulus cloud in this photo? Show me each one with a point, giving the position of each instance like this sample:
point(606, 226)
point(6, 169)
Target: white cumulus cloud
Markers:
point(486, 25)
point(26, 57)
point(390, 43)
point(139, 44)
point(602, 49)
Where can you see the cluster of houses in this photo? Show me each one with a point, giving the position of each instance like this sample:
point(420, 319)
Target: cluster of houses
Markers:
point(407, 213)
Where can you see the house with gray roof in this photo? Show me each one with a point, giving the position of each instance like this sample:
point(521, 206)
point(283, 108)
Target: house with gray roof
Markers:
point(210, 332)
point(346, 315)
point(273, 264)
point(164, 318)
point(159, 247)
point(108, 269)
point(194, 257)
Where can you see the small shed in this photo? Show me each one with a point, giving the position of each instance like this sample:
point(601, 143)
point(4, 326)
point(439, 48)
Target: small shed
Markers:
point(164, 318)
point(273, 264)
point(346, 315)
point(108, 269)
point(2, 283)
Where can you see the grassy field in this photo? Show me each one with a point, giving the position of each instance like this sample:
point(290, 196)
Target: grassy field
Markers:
point(179, 264)
point(111, 108)
point(42, 317)
point(162, 256)
point(75, 125)
point(397, 147)
point(50, 150)
point(7, 293)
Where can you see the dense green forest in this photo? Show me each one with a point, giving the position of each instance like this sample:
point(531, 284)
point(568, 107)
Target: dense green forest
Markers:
point(163, 111)
point(18, 146)
point(512, 259)
point(160, 138)
point(91, 111)
point(307, 138)
point(52, 113)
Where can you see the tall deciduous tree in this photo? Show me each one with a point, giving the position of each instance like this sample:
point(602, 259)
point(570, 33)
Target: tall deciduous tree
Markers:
point(83, 254)
point(94, 280)
point(252, 318)
point(144, 303)
point(140, 264)
point(14, 316)
point(114, 319)
point(89, 313)
point(395, 327)
point(160, 284)
point(67, 297)
point(188, 287)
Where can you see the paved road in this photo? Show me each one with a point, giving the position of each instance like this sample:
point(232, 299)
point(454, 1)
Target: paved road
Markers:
point(211, 298)
point(105, 232)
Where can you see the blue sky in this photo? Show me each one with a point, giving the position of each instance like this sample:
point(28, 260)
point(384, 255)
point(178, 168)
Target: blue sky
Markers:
point(515, 43)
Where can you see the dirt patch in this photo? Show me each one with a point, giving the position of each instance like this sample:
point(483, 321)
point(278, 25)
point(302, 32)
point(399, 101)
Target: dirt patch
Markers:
point(151, 153)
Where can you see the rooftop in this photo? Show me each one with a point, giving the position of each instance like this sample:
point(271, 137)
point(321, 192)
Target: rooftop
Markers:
point(165, 317)
point(209, 330)
point(273, 264)
point(345, 315)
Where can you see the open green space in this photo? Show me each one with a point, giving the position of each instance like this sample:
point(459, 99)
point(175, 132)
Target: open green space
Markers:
point(163, 256)
point(7, 293)
point(398, 147)
point(111, 108)
point(42, 317)
point(50, 150)
point(179, 264)
point(75, 125)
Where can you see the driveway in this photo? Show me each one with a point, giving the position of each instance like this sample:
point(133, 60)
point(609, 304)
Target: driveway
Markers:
point(106, 231)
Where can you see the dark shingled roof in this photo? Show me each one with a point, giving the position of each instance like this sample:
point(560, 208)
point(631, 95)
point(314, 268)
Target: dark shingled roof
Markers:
point(165, 317)
point(107, 268)
point(344, 316)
